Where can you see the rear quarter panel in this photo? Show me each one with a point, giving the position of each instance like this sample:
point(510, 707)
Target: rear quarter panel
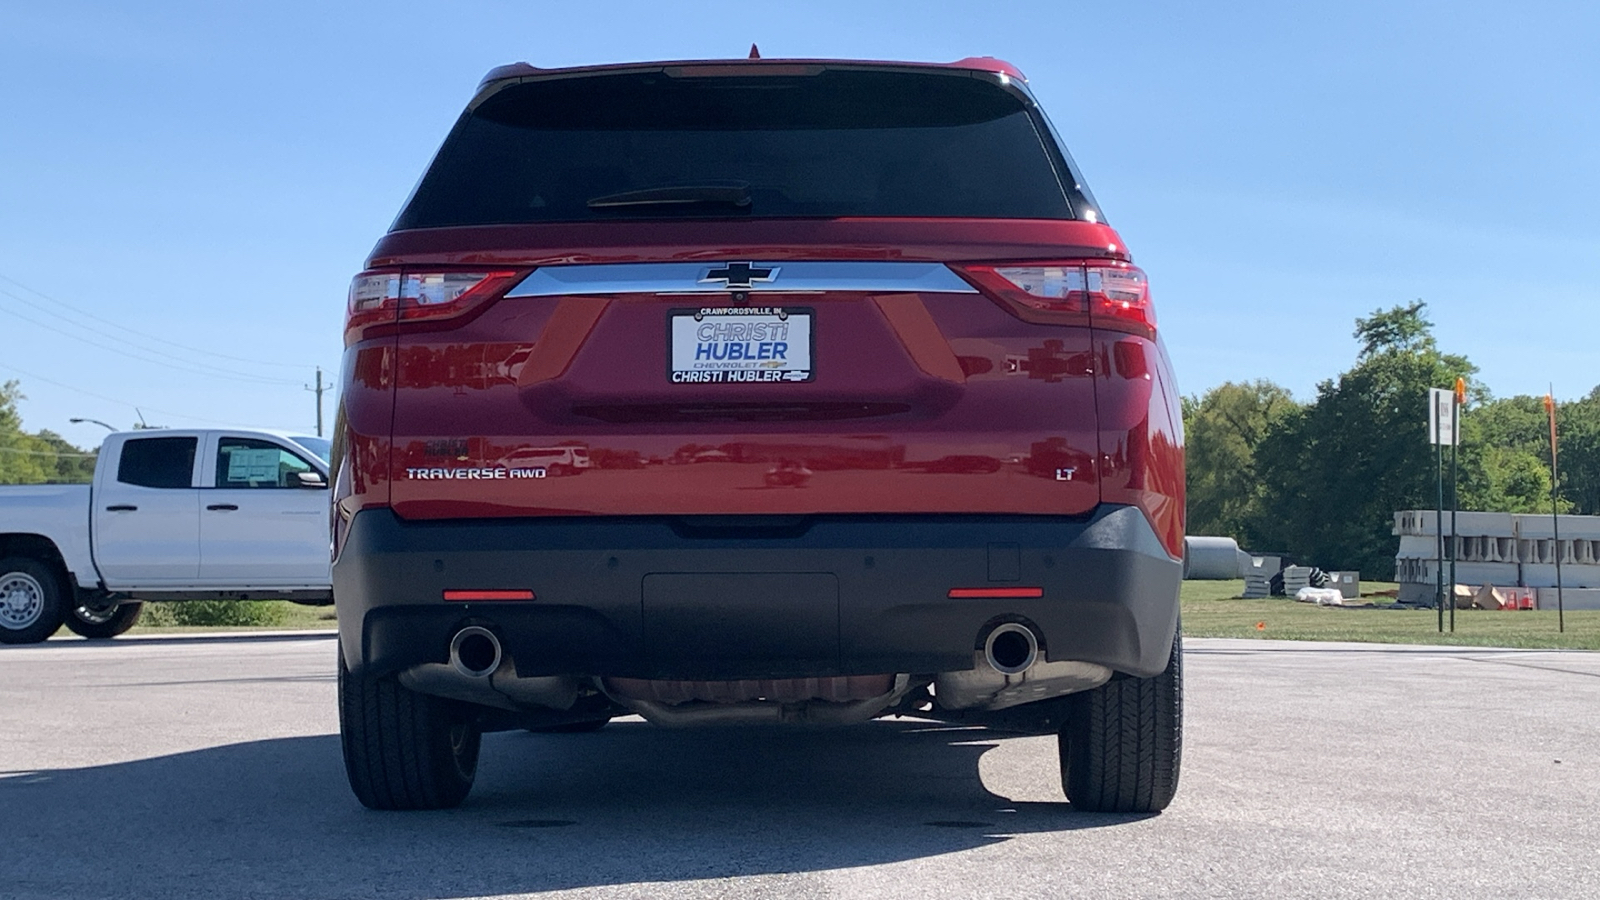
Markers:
point(1141, 432)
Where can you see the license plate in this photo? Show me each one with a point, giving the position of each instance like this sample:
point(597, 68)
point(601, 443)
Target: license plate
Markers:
point(739, 345)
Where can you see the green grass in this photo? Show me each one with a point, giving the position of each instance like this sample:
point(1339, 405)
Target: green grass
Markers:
point(1211, 609)
point(178, 617)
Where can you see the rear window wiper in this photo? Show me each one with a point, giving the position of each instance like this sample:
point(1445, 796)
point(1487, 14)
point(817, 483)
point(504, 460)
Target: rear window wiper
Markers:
point(735, 194)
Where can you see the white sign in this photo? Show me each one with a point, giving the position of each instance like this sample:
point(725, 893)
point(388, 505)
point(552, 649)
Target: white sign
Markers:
point(251, 466)
point(1444, 427)
point(740, 345)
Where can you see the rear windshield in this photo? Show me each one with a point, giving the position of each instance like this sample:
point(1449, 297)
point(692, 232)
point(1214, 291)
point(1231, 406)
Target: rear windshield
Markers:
point(838, 143)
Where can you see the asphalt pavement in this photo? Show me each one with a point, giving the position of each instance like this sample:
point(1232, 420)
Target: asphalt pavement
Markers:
point(171, 767)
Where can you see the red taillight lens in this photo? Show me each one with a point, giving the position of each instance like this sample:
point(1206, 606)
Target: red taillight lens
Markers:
point(995, 593)
point(467, 596)
point(1101, 293)
point(374, 297)
point(385, 298)
point(441, 295)
point(1119, 297)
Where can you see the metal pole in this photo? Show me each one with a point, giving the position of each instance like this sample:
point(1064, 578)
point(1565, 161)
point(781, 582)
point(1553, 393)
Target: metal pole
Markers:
point(1555, 527)
point(1458, 399)
point(1438, 530)
point(1455, 505)
point(95, 421)
point(1555, 516)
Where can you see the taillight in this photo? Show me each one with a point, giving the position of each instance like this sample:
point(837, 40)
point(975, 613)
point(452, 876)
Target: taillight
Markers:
point(374, 297)
point(1101, 293)
point(389, 298)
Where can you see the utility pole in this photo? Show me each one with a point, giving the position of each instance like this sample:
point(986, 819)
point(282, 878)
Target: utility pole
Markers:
point(318, 391)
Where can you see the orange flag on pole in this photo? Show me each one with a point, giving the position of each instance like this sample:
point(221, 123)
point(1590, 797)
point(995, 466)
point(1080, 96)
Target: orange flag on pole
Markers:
point(1550, 410)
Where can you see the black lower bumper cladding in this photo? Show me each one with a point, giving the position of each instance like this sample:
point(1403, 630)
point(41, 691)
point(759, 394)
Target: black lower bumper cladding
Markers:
point(713, 598)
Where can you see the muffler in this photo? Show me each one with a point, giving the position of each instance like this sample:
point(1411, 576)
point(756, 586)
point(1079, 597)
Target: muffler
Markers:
point(1011, 649)
point(480, 672)
point(475, 652)
point(1009, 671)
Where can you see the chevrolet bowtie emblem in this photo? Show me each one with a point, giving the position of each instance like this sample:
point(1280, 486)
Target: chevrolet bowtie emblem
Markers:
point(739, 275)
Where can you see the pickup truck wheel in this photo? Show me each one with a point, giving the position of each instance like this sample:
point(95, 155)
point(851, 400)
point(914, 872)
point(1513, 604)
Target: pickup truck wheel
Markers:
point(1122, 745)
point(31, 604)
point(402, 749)
point(102, 622)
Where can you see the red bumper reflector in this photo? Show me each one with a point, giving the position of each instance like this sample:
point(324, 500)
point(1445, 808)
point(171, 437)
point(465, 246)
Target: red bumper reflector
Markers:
point(488, 595)
point(995, 593)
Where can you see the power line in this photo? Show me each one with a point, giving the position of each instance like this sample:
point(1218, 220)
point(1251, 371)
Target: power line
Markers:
point(106, 334)
point(184, 347)
point(135, 407)
point(209, 371)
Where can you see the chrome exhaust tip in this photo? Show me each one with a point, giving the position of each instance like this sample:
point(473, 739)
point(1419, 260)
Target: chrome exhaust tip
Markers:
point(475, 651)
point(1011, 649)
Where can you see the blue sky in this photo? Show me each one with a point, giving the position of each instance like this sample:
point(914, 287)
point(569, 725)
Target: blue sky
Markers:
point(211, 175)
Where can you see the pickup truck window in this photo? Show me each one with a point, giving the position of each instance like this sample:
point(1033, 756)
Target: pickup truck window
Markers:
point(249, 463)
point(321, 448)
point(161, 462)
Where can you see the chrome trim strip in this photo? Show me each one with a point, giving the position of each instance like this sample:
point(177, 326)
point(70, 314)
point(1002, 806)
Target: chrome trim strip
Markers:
point(791, 277)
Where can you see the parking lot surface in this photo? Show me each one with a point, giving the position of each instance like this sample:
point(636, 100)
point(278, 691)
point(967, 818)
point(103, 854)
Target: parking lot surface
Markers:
point(209, 766)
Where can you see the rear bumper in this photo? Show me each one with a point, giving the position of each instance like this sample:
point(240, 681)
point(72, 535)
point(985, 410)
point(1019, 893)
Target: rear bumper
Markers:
point(713, 598)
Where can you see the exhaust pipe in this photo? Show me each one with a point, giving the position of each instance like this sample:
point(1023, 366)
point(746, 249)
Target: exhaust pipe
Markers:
point(1011, 649)
point(475, 651)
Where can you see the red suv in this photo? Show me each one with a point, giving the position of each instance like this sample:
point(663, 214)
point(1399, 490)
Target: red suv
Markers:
point(867, 400)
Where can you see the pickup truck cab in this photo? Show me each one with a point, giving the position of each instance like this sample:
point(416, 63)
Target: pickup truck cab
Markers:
point(171, 515)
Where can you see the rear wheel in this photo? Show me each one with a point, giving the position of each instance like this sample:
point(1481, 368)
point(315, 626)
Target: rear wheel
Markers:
point(1122, 745)
point(98, 622)
point(31, 600)
point(402, 749)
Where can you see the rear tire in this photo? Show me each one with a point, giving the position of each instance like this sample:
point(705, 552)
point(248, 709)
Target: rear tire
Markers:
point(402, 749)
point(99, 624)
point(1121, 748)
point(32, 600)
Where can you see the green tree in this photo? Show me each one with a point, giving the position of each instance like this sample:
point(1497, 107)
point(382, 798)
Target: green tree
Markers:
point(1222, 430)
point(21, 461)
point(35, 458)
point(73, 465)
point(1578, 440)
point(1334, 472)
point(1504, 461)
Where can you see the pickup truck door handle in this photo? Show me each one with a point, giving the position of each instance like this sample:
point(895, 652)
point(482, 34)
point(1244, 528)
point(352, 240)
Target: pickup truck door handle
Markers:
point(121, 507)
point(222, 506)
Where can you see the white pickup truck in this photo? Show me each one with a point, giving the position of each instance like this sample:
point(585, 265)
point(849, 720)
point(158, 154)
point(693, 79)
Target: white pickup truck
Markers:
point(172, 514)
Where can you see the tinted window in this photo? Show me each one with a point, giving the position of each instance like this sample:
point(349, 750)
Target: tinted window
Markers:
point(164, 462)
point(841, 143)
point(249, 463)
